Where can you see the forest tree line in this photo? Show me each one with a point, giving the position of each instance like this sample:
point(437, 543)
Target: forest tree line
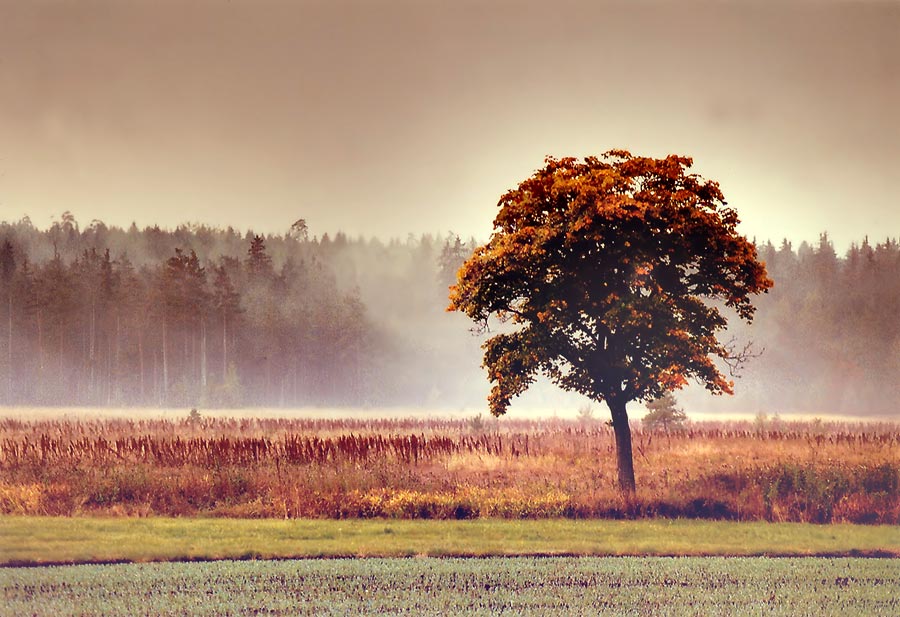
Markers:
point(212, 317)
point(196, 316)
point(828, 332)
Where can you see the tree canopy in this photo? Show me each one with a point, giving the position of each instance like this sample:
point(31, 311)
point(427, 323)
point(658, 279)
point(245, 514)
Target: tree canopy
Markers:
point(613, 273)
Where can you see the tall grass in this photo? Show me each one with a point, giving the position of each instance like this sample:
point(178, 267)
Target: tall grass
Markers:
point(420, 468)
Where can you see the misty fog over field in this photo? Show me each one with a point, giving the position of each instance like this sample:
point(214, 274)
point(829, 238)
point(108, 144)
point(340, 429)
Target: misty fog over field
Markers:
point(207, 317)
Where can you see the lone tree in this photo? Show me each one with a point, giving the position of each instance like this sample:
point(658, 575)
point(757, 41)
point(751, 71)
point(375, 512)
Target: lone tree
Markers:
point(663, 414)
point(611, 273)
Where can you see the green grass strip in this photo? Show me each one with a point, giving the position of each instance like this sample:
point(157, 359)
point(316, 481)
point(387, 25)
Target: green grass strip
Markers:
point(45, 540)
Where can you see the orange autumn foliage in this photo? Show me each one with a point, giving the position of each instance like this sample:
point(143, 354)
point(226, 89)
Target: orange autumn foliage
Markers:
point(606, 269)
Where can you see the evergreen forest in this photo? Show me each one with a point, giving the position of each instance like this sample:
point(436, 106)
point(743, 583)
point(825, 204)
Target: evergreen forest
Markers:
point(203, 316)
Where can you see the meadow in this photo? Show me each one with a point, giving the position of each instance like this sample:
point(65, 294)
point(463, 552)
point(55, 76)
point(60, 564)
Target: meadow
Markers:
point(492, 586)
point(433, 468)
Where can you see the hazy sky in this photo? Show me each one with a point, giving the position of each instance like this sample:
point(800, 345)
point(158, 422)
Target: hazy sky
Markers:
point(393, 117)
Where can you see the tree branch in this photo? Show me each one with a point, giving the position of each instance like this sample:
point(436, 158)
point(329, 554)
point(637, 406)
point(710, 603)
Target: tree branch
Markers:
point(736, 359)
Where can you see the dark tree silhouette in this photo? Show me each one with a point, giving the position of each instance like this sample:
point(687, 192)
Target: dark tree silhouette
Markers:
point(605, 269)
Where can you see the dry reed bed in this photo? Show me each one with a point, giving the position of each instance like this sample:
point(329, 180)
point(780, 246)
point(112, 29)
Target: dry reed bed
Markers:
point(412, 468)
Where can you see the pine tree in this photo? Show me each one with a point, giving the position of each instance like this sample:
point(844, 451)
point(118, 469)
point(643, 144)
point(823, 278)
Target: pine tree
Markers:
point(663, 414)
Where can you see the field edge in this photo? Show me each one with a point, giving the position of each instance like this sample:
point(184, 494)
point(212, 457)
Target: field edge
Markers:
point(45, 541)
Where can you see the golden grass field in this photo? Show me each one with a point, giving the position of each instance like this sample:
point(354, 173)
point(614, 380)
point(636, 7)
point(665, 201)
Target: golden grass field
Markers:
point(357, 466)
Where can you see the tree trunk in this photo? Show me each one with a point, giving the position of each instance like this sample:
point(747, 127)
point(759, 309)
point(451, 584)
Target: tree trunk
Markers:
point(9, 354)
point(224, 346)
point(165, 362)
point(156, 388)
point(117, 371)
point(195, 364)
point(61, 365)
point(187, 359)
point(203, 359)
point(624, 458)
point(92, 382)
point(141, 360)
point(40, 330)
point(109, 355)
